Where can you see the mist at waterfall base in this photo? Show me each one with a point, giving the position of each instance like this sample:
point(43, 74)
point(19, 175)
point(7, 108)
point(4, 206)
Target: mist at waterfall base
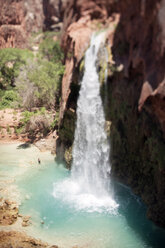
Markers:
point(79, 208)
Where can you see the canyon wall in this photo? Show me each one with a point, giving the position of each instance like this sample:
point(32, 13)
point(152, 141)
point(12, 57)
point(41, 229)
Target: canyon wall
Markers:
point(20, 18)
point(136, 88)
point(137, 104)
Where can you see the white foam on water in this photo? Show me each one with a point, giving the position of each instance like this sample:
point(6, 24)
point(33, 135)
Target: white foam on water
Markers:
point(72, 193)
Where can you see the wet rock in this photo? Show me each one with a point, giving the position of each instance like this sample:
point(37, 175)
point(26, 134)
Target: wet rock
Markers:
point(8, 213)
point(68, 157)
point(25, 221)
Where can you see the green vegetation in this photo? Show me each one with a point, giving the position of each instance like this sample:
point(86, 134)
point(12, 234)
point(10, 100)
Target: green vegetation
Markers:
point(11, 59)
point(14, 112)
point(35, 122)
point(31, 80)
point(26, 115)
point(82, 65)
point(51, 50)
point(39, 84)
point(9, 99)
point(8, 129)
point(55, 121)
point(28, 80)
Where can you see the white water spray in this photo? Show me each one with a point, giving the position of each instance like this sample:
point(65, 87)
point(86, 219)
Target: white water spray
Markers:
point(88, 187)
point(91, 149)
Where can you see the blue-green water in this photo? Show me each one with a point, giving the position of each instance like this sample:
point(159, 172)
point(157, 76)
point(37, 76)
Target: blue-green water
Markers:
point(127, 227)
point(68, 222)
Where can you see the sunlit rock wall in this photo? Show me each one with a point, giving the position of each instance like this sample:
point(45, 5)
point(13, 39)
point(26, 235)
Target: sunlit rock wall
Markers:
point(19, 18)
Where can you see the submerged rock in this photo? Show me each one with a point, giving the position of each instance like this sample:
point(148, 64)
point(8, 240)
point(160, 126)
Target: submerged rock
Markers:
point(25, 221)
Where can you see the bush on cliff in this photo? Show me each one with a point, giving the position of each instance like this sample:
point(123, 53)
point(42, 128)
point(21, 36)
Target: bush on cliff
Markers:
point(51, 49)
point(9, 99)
point(11, 59)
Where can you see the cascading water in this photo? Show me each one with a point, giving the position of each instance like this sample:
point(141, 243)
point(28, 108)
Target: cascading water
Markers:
point(91, 149)
point(88, 188)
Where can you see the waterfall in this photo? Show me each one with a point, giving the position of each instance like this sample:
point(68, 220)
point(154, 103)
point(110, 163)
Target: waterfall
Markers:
point(88, 187)
point(91, 149)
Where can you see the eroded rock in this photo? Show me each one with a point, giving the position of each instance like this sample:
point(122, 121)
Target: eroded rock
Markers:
point(17, 239)
point(25, 221)
point(8, 213)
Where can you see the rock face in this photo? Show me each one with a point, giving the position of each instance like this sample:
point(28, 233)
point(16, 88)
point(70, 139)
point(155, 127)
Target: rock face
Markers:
point(80, 19)
point(8, 213)
point(136, 88)
point(19, 18)
point(137, 103)
point(8, 216)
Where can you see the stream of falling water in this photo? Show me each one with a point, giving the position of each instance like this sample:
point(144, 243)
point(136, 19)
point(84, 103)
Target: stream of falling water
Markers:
point(89, 186)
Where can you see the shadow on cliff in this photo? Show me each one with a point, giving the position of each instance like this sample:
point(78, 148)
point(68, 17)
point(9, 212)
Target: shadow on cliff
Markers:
point(135, 134)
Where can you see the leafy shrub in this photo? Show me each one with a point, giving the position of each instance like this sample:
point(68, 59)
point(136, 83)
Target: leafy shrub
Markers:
point(39, 83)
point(9, 99)
point(36, 79)
point(26, 115)
point(51, 49)
point(10, 61)
point(55, 121)
point(37, 122)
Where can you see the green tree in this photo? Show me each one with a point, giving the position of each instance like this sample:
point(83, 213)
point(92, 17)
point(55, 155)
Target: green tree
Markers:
point(10, 61)
point(39, 83)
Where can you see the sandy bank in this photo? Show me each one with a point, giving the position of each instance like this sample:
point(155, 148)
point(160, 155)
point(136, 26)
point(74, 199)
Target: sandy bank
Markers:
point(15, 159)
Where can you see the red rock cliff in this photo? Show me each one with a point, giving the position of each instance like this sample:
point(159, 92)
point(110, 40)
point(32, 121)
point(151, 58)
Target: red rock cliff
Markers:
point(136, 99)
point(19, 18)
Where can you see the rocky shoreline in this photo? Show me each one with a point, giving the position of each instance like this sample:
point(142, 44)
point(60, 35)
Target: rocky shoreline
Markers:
point(18, 239)
point(9, 215)
point(13, 225)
